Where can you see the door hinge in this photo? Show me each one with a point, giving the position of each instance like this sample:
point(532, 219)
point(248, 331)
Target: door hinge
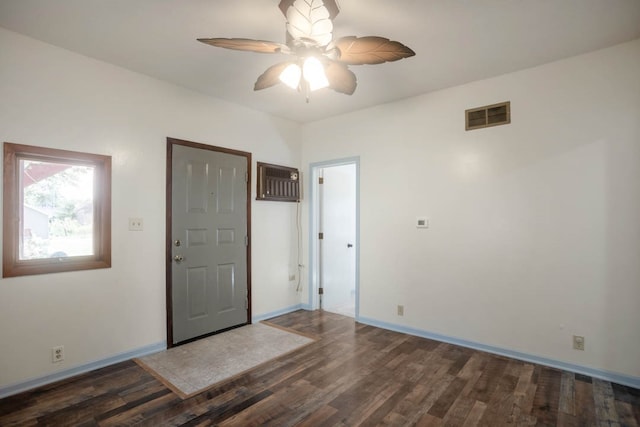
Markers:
point(246, 303)
point(246, 240)
point(246, 177)
point(320, 236)
point(320, 291)
point(321, 180)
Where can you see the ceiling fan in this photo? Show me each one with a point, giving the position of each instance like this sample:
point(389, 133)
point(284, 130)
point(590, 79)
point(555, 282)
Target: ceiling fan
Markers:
point(318, 60)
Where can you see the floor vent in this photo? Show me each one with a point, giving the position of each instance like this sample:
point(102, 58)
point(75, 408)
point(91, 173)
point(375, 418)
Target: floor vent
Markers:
point(278, 183)
point(489, 115)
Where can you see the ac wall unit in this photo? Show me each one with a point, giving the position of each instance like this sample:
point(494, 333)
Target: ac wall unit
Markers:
point(278, 183)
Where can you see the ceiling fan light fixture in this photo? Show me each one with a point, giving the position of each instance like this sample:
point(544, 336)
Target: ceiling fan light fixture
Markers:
point(319, 60)
point(313, 73)
point(291, 76)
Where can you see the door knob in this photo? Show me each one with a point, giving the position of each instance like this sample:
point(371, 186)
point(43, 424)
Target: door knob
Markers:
point(349, 245)
point(178, 258)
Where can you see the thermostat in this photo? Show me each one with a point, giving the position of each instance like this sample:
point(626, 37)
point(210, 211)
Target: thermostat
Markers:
point(422, 222)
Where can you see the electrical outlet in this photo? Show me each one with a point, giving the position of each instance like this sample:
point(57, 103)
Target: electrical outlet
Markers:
point(400, 310)
point(57, 354)
point(136, 224)
point(578, 343)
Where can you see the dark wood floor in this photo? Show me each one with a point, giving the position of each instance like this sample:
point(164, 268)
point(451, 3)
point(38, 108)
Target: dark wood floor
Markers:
point(354, 374)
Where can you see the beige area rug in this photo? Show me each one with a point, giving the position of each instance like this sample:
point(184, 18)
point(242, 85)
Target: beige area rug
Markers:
point(197, 366)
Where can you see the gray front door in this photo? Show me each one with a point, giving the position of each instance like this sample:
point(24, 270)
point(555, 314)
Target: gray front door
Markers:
point(209, 238)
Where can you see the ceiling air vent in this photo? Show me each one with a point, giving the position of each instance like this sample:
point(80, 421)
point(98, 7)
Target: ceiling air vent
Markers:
point(278, 183)
point(489, 115)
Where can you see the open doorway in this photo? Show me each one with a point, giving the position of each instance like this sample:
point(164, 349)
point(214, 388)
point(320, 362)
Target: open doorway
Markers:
point(334, 239)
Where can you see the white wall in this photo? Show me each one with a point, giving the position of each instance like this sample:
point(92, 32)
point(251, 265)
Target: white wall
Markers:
point(535, 226)
point(54, 98)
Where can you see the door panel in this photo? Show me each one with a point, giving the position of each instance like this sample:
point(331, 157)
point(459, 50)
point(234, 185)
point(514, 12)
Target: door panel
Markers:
point(197, 186)
point(197, 292)
point(226, 183)
point(209, 279)
point(226, 287)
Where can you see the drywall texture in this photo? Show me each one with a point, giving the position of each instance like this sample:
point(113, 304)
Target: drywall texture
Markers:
point(55, 98)
point(534, 233)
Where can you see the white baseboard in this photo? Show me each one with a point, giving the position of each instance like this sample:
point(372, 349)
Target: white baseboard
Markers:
point(584, 370)
point(265, 316)
point(81, 369)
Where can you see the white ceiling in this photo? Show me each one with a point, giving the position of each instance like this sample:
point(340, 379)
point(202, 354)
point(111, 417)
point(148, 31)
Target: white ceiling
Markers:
point(456, 41)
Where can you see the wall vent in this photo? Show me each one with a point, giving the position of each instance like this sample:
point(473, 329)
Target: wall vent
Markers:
point(489, 115)
point(278, 183)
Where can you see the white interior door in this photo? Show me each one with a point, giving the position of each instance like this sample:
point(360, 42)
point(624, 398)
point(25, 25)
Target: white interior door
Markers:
point(337, 248)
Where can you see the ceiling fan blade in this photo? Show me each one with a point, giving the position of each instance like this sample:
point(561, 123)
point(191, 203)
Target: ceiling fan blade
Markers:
point(331, 5)
point(271, 77)
point(370, 50)
point(310, 20)
point(250, 45)
point(341, 79)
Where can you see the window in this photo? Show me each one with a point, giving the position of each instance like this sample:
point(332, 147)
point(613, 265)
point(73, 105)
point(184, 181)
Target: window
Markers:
point(57, 211)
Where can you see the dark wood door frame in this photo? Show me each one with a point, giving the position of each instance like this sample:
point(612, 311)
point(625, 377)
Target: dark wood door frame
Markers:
point(169, 232)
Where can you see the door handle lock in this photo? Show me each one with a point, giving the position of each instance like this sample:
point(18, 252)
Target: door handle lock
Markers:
point(349, 245)
point(178, 258)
